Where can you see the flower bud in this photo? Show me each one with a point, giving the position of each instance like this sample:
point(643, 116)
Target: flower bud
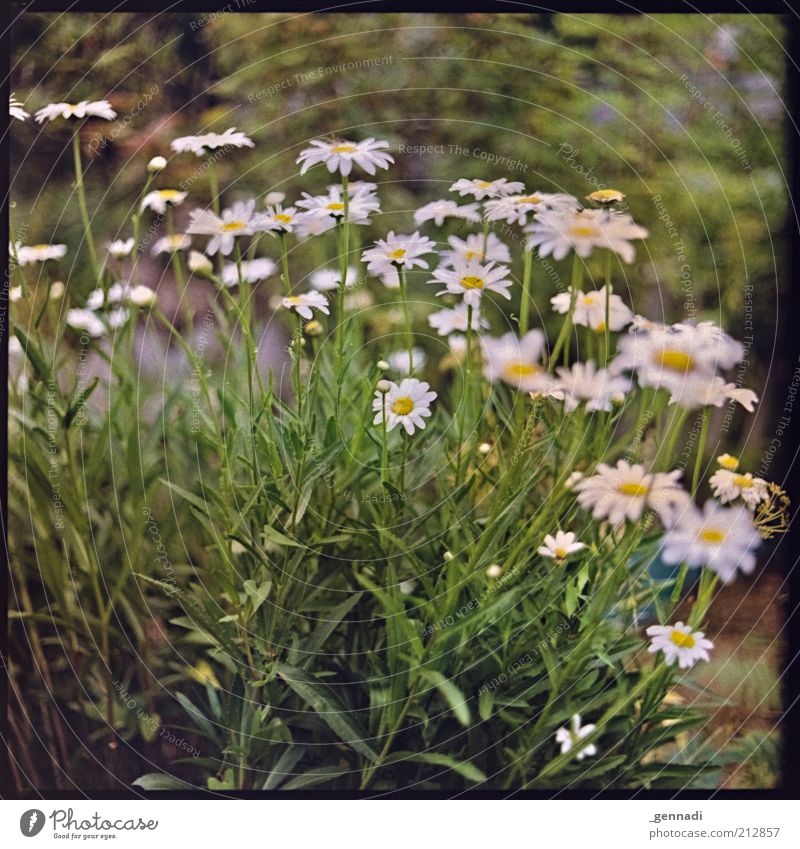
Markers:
point(156, 164)
point(494, 571)
point(274, 198)
point(383, 386)
point(313, 328)
point(383, 365)
point(56, 290)
point(484, 448)
point(200, 264)
point(448, 555)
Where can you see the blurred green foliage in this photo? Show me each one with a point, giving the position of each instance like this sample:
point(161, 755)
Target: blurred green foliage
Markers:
point(686, 108)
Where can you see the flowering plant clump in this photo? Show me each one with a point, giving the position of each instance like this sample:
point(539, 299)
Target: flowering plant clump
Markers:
point(328, 560)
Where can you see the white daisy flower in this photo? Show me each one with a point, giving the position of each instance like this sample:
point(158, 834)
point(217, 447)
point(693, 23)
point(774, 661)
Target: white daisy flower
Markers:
point(342, 155)
point(472, 248)
point(304, 304)
point(359, 206)
point(598, 388)
point(328, 279)
point(624, 491)
point(395, 252)
point(516, 208)
point(666, 357)
point(560, 546)
point(29, 254)
point(161, 198)
point(200, 145)
point(172, 243)
point(700, 390)
point(237, 220)
point(556, 233)
point(679, 642)
point(120, 248)
point(84, 109)
point(730, 485)
point(253, 271)
point(15, 109)
point(456, 320)
point(516, 361)
point(470, 278)
point(480, 189)
point(140, 296)
point(82, 319)
point(727, 351)
point(278, 219)
point(438, 210)
point(95, 299)
point(407, 403)
point(570, 739)
point(118, 318)
point(305, 224)
point(721, 538)
point(590, 309)
point(398, 360)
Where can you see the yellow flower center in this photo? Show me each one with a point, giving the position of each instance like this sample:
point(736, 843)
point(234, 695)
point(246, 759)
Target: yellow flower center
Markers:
point(471, 282)
point(561, 553)
point(681, 640)
point(40, 247)
point(529, 199)
point(584, 230)
point(728, 462)
point(398, 254)
point(168, 194)
point(674, 360)
point(402, 406)
point(283, 217)
point(519, 369)
point(336, 207)
point(233, 225)
point(606, 195)
point(601, 327)
point(473, 255)
point(344, 148)
point(635, 490)
point(293, 299)
point(712, 535)
point(590, 298)
point(743, 481)
point(482, 184)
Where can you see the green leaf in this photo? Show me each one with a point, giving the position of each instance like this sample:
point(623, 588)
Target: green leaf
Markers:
point(34, 355)
point(466, 769)
point(452, 695)
point(325, 703)
point(160, 781)
point(328, 625)
point(315, 776)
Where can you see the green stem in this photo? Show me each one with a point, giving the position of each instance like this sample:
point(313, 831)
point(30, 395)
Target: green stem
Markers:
point(465, 400)
point(701, 447)
point(343, 257)
point(524, 308)
point(407, 319)
point(566, 327)
point(607, 330)
point(87, 227)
